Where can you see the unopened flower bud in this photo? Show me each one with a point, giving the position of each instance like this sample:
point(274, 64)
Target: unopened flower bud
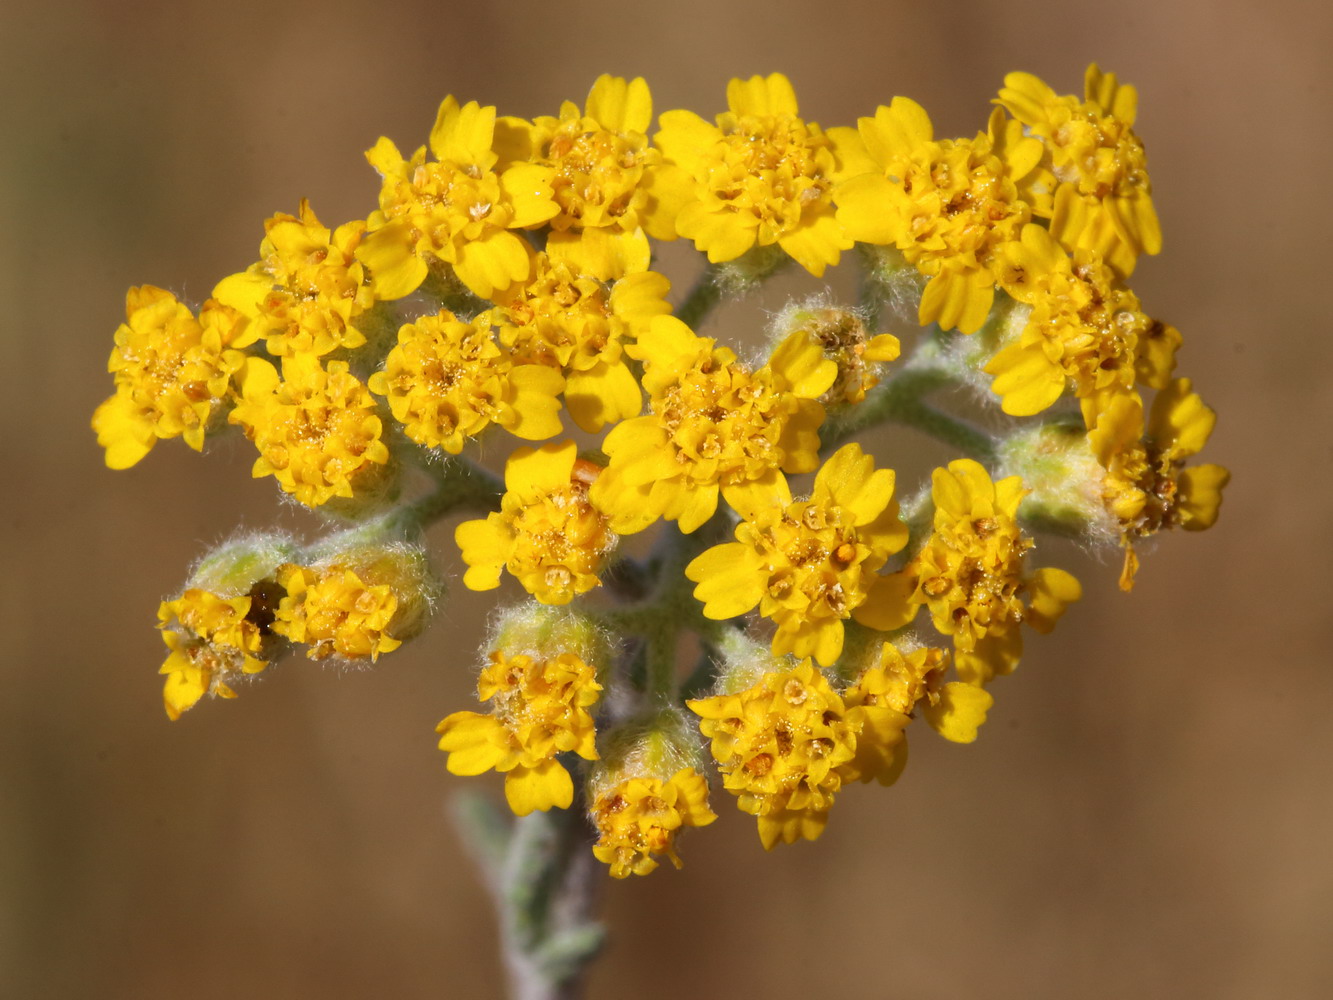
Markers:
point(1064, 480)
point(358, 593)
point(545, 632)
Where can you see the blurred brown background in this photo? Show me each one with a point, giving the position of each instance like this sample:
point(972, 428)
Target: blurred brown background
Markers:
point(1150, 808)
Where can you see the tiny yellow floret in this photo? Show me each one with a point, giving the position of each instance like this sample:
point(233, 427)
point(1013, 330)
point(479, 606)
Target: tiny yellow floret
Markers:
point(547, 532)
point(781, 746)
point(539, 708)
point(335, 612)
point(640, 817)
point(448, 379)
point(317, 428)
point(173, 374)
point(807, 564)
point(761, 176)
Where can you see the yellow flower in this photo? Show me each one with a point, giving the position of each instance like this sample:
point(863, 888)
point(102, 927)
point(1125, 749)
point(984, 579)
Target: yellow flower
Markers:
point(539, 708)
point(640, 816)
point(809, 564)
point(547, 533)
point(455, 208)
point(762, 175)
point(317, 429)
point(448, 380)
point(213, 642)
point(893, 689)
point(948, 205)
point(566, 318)
point(307, 289)
point(843, 338)
point(1147, 487)
point(716, 426)
point(1095, 163)
point(1085, 328)
point(609, 183)
point(781, 746)
point(335, 612)
point(173, 374)
point(971, 575)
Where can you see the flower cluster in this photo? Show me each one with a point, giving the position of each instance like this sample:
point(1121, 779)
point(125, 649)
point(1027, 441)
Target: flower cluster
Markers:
point(503, 290)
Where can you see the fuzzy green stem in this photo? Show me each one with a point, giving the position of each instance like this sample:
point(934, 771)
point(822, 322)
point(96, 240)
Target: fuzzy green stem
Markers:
point(544, 881)
point(460, 485)
point(900, 400)
point(706, 293)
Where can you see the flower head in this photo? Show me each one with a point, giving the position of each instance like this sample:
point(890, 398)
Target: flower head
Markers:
point(762, 176)
point(807, 564)
point(337, 613)
point(948, 205)
point(547, 532)
point(447, 380)
point(716, 426)
point(638, 818)
point(455, 209)
point(606, 178)
point(1085, 328)
point(317, 428)
point(213, 642)
point(781, 745)
point(308, 288)
point(842, 337)
point(971, 574)
point(173, 373)
point(566, 318)
point(1147, 487)
point(539, 708)
point(1095, 163)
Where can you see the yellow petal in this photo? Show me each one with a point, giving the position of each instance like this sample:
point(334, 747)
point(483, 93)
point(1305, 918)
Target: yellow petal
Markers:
point(851, 481)
point(122, 431)
point(801, 362)
point(619, 106)
point(546, 786)
point(474, 742)
point(762, 96)
point(861, 209)
point(1201, 495)
point(817, 242)
point(533, 473)
point(1026, 380)
point(896, 130)
point(888, 603)
point(730, 580)
point(960, 712)
point(755, 496)
point(485, 545)
point(527, 187)
point(494, 261)
point(463, 134)
point(1050, 592)
point(535, 403)
point(395, 269)
point(957, 298)
point(722, 234)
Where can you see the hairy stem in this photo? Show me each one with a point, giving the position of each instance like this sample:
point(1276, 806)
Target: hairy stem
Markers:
point(900, 400)
point(705, 294)
point(544, 882)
